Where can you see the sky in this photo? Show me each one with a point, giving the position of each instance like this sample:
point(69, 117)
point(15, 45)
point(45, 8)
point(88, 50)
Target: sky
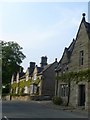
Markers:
point(41, 28)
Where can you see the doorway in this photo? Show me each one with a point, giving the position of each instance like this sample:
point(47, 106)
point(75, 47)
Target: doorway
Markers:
point(81, 95)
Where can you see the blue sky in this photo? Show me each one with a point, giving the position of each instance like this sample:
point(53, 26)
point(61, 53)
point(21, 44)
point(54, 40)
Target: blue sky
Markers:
point(42, 29)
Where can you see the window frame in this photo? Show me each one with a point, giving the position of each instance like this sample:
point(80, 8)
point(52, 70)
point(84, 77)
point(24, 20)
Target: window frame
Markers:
point(81, 58)
point(64, 90)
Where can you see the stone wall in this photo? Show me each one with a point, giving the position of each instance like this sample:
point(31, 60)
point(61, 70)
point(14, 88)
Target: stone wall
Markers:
point(7, 97)
point(82, 43)
point(19, 98)
point(74, 97)
point(48, 83)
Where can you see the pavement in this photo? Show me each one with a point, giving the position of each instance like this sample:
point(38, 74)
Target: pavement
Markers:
point(50, 104)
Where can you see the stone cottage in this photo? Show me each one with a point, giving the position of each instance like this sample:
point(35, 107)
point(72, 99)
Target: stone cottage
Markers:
point(20, 82)
point(44, 78)
point(15, 81)
point(73, 71)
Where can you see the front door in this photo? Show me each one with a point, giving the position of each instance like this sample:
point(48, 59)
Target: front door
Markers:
point(81, 95)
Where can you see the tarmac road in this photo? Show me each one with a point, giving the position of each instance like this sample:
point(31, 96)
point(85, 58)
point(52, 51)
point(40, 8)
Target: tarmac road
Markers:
point(35, 109)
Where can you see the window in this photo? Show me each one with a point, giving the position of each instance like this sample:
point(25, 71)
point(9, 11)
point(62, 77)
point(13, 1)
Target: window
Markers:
point(81, 57)
point(27, 78)
point(35, 76)
point(63, 90)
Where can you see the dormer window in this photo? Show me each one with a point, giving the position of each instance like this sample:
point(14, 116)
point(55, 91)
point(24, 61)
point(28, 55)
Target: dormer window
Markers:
point(81, 57)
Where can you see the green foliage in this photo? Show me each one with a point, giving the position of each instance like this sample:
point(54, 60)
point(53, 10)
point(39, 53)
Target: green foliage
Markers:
point(27, 83)
point(36, 82)
point(14, 85)
point(20, 85)
point(24, 83)
point(75, 76)
point(12, 57)
point(57, 100)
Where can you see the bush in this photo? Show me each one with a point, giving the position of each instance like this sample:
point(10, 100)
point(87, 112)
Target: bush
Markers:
point(57, 100)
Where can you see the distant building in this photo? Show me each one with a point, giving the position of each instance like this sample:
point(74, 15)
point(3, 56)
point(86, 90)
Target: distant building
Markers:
point(37, 80)
point(44, 78)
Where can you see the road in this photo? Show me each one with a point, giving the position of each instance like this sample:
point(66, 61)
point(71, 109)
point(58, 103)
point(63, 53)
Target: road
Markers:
point(34, 109)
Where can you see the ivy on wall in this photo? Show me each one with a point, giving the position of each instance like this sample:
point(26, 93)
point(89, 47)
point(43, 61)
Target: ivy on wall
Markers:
point(21, 84)
point(36, 82)
point(24, 83)
point(14, 85)
point(75, 76)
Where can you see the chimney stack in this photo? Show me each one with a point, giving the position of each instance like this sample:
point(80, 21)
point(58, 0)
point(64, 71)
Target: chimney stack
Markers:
point(32, 66)
point(43, 61)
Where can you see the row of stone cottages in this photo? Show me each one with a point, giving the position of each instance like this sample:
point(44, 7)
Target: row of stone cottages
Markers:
point(69, 79)
point(37, 80)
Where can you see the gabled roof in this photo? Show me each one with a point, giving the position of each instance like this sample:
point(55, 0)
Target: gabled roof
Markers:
point(65, 51)
point(39, 69)
point(21, 74)
point(87, 26)
point(69, 50)
point(47, 67)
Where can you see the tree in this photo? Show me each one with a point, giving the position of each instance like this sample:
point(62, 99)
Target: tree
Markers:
point(12, 57)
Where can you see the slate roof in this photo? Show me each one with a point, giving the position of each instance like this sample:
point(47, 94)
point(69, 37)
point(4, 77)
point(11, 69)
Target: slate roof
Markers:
point(70, 48)
point(68, 52)
point(87, 25)
point(39, 69)
point(45, 68)
point(21, 74)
